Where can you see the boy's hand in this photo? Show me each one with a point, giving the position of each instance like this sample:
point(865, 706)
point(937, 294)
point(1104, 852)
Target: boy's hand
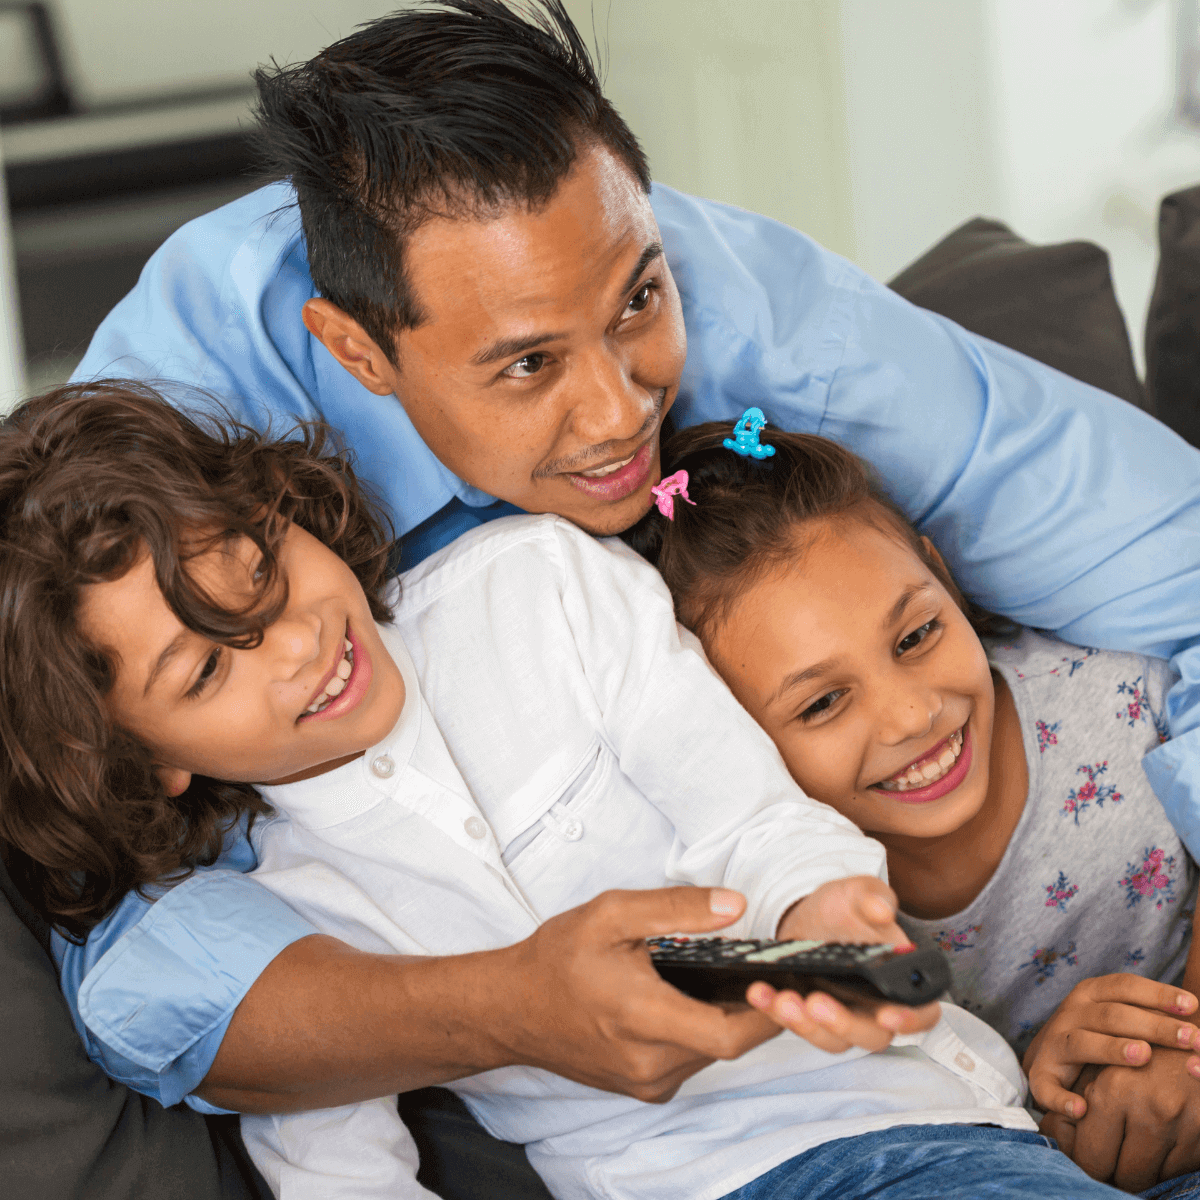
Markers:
point(1108, 1020)
point(1142, 1123)
point(859, 909)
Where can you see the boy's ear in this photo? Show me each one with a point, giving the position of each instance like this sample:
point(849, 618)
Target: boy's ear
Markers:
point(174, 780)
point(350, 344)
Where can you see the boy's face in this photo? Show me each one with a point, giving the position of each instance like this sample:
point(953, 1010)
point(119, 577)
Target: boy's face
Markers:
point(870, 680)
point(552, 349)
point(244, 715)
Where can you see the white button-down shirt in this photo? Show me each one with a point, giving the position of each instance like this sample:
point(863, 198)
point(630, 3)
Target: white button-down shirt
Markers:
point(561, 736)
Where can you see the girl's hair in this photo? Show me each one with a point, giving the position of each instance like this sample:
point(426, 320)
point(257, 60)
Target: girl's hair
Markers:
point(93, 477)
point(748, 517)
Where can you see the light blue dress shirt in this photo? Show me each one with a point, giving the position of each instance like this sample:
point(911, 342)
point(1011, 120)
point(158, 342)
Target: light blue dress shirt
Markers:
point(1054, 503)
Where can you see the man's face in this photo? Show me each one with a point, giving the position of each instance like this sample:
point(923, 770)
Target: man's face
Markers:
point(553, 348)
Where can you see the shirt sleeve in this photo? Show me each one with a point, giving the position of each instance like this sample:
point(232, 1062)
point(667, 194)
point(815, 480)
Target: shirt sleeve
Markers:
point(1054, 503)
point(153, 989)
point(355, 1152)
point(740, 819)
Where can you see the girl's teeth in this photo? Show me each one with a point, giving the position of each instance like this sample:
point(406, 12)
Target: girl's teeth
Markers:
point(926, 773)
point(344, 669)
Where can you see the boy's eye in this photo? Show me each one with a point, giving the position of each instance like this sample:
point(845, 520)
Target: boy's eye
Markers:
point(913, 640)
point(206, 673)
point(824, 704)
point(523, 368)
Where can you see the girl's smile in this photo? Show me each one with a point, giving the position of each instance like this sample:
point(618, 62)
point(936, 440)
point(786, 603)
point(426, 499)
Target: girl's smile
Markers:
point(931, 776)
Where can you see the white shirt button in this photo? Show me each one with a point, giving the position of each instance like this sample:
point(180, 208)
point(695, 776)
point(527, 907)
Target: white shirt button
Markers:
point(572, 829)
point(382, 765)
point(964, 1060)
point(475, 828)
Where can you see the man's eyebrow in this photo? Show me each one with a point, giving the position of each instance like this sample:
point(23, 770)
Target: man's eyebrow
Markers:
point(172, 648)
point(907, 596)
point(796, 678)
point(514, 347)
point(651, 252)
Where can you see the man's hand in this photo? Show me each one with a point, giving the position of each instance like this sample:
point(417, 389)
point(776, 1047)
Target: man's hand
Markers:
point(1108, 1020)
point(859, 909)
point(580, 997)
point(1142, 1123)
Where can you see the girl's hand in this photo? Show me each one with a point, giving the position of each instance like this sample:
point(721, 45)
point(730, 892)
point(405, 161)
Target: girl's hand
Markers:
point(859, 909)
point(1111, 1020)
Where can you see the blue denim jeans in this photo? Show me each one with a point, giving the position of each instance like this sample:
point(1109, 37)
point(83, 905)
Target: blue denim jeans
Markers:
point(924, 1162)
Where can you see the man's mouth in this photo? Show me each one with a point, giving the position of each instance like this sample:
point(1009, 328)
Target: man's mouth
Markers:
point(935, 764)
point(336, 683)
point(616, 480)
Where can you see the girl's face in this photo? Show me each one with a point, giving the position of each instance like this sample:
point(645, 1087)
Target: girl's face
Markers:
point(867, 675)
point(246, 715)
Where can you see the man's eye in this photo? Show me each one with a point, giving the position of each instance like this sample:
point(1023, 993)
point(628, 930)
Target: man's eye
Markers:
point(531, 364)
point(206, 673)
point(914, 639)
point(817, 707)
point(641, 297)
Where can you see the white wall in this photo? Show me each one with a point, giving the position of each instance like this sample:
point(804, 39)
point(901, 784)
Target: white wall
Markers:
point(12, 363)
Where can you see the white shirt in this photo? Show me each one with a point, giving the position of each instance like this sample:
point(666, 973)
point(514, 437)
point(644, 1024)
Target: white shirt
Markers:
point(581, 743)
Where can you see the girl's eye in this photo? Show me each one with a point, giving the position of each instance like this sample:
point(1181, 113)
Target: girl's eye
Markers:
point(206, 673)
point(523, 368)
point(823, 705)
point(914, 639)
point(641, 297)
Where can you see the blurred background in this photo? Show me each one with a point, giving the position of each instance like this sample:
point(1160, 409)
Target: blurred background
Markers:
point(874, 125)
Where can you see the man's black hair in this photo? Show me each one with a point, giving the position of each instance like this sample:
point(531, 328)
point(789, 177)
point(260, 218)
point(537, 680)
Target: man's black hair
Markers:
point(455, 109)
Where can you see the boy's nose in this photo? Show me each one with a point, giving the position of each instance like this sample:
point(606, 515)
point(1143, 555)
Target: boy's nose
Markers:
point(294, 640)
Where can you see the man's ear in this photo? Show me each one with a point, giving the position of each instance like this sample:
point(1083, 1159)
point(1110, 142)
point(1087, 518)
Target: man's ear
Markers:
point(174, 780)
point(350, 344)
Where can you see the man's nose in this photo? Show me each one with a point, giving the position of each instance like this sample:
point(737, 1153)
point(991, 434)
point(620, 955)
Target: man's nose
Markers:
point(608, 405)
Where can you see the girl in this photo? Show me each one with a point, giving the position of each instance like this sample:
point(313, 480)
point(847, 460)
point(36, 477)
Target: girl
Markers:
point(1002, 775)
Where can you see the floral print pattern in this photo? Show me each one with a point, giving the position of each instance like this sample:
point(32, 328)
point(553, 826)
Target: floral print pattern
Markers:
point(1080, 799)
point(1059, 892)
point(1150, 879)
point(1045, 960)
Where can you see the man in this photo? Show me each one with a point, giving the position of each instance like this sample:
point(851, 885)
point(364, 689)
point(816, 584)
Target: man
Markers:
point(497, 311)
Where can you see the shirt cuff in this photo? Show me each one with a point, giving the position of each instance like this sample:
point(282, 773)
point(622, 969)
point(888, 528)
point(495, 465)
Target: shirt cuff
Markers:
point(157, 1003)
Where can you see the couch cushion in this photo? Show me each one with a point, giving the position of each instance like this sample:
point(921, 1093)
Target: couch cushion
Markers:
point(1055, 303)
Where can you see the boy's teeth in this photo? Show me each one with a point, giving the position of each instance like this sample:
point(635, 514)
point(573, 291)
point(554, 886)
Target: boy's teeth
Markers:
point(337, 684)
point(600, 472)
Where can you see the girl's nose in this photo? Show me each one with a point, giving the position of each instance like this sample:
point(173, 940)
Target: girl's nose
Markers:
point(909, 713)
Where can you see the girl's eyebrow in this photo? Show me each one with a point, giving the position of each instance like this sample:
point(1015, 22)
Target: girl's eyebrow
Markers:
point(907, 596)
point(803, 676)
point(172, 648)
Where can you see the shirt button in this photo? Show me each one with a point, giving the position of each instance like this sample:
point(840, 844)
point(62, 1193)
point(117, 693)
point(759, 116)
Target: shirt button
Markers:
point(964, 1060)
point(475, 828)
point(572, 829)
point(382, 765)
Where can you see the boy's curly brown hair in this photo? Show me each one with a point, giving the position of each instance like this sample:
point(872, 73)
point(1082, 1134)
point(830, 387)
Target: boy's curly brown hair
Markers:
point(92, 477)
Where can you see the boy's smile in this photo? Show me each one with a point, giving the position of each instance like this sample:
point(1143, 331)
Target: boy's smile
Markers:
point(318, 691)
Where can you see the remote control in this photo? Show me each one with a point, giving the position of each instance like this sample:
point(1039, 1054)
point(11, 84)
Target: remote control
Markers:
point(715, 968)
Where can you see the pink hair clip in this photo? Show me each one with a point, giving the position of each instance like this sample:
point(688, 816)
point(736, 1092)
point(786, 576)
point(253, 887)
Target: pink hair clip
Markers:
point(666, 491)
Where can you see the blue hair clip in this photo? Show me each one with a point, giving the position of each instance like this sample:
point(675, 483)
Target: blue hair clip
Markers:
point(745, 436)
